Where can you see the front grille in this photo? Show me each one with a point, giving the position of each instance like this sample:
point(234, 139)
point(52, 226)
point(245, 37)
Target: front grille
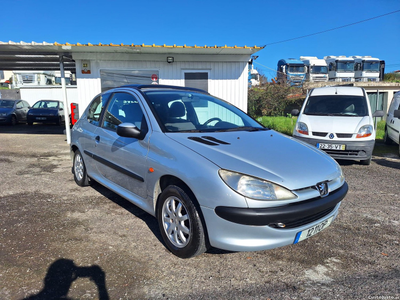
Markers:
point(304, 221)
point(344, 135)
point(322, 134)
point(350, 153)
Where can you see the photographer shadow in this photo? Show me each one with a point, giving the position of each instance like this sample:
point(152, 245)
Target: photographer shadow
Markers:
point(60, 276)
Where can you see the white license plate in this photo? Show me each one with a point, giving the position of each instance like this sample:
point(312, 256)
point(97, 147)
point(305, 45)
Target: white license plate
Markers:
point(305, 234)
point(41, 118)
point(331, 146)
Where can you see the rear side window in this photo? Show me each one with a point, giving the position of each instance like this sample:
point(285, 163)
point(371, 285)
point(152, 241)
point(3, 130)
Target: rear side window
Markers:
point(96, 108)
point(94, 111)
point(341, 105)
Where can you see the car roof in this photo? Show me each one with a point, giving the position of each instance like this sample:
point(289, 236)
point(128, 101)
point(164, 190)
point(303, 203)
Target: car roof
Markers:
point(161, 86)
point(338, 90)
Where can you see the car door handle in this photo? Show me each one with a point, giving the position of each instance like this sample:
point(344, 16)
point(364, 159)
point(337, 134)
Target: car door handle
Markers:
point(97, 139)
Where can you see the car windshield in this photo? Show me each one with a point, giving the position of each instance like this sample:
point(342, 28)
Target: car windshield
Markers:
point(46, 104)
point(340, 105)
point(188, 111)
point(7, 103)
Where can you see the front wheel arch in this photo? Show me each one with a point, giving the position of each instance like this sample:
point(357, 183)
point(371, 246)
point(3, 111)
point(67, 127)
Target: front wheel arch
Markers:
point(180, 224)
point(168, 180)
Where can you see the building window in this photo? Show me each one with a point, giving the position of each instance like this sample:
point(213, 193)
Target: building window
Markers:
point(197, 80)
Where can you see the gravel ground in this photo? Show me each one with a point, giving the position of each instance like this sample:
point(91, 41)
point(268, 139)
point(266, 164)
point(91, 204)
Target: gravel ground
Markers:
point(60, 241)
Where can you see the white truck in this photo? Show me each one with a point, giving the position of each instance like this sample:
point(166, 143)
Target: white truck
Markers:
point(316, 69)
point(366, 68)
point(254, 77)
point(340, 68)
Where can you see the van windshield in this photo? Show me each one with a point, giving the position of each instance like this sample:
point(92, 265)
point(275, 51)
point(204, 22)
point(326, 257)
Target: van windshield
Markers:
point(336, 105)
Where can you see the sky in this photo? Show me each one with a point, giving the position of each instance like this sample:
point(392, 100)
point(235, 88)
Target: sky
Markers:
point(218, 22)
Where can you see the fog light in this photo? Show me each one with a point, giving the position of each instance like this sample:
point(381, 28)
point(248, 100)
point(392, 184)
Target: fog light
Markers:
point(281, 225)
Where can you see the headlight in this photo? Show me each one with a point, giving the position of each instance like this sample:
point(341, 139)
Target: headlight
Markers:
point(3, 114)
point(302, 128)
point(255, 188)
point(365, 131)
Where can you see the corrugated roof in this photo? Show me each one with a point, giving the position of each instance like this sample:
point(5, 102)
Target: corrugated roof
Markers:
point(130, 45)
point(46, 56)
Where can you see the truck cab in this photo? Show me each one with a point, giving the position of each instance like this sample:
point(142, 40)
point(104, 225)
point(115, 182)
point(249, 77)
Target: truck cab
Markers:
point(316, 69)
point(366, 68)
point(291, 71)
point(340, 68)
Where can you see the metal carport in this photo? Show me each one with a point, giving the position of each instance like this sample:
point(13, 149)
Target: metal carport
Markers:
point(39, 57)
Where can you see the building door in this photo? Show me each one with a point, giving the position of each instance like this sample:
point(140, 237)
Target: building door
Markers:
point(198, 80)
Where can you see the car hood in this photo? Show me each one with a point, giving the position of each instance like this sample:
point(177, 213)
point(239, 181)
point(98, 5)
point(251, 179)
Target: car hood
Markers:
point(43, 111)
point(334, 124)
point(5, 110)
point(263, 154)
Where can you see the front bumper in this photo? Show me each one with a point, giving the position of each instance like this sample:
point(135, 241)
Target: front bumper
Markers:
point(257, 230)
point(5, 119)
point(292, 215)
point(355, 150)
point(43, 119)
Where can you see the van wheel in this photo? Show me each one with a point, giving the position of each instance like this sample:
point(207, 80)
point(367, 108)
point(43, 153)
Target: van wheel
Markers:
point(180, 224)
point(386, 138)
point(366, 162)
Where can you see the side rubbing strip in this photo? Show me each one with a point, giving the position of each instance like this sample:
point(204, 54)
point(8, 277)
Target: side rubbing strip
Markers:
point(114, 166)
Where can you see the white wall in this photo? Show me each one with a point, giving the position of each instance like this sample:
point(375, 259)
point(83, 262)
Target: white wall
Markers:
point(227, 79)
point(33, 94)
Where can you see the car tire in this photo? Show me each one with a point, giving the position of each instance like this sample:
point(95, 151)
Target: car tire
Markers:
point(79, 169)
point(180, 224)
point(386, 138)
point(366, 162)
point(14, 120)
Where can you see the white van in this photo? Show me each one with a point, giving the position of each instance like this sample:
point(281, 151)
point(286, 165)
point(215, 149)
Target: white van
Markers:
point(338, 120)
point(392, 128)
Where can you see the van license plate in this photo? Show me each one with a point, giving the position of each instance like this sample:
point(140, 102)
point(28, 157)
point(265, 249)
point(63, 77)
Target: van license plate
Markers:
point(41, 118)
point(305, 234)
point(331, 146)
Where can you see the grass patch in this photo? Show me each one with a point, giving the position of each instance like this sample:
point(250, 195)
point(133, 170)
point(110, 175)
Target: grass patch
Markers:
point(281, 124)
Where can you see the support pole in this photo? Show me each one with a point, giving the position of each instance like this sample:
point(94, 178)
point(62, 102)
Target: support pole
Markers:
point(65, 100)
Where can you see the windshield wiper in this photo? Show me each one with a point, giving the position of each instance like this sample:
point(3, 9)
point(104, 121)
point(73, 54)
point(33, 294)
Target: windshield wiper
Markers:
point(243, 128)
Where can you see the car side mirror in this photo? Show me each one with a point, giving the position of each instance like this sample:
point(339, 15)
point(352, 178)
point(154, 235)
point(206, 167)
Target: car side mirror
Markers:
point(396, 114)
point(295, 112)
point(378, 113)
point(129, 130)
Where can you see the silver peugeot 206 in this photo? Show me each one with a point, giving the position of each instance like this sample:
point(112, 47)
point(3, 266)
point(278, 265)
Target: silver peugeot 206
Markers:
point(210, 174)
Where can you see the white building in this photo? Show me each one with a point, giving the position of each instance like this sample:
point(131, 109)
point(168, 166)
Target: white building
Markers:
point(222, 71)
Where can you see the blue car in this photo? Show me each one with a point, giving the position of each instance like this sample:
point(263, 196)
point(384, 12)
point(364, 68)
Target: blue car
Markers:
point(211, 175)
point(13, 111)
point(46, 111)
